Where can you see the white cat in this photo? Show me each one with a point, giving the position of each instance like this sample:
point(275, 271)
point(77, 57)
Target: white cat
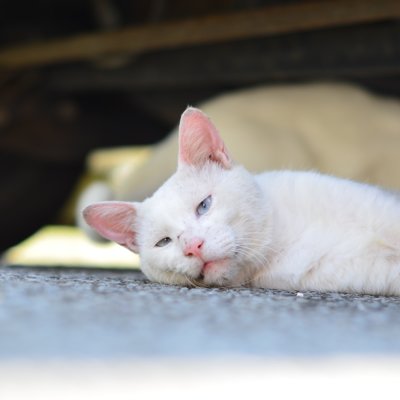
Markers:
point(213, 223)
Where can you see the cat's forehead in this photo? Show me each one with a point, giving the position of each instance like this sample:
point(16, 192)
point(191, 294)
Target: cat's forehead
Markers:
point(179, 186)
point(186, 187)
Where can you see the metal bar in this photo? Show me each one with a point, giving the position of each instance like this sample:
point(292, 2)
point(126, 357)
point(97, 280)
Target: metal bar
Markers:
point(213, 29)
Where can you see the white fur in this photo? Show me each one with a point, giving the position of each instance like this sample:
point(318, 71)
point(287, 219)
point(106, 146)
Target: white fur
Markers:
point(171, 212)
point(285, 230)
point(331, 234)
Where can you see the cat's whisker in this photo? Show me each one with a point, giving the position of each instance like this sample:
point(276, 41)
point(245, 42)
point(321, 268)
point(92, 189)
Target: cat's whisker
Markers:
point(253, 238)
point(191, 283)
point(250, 251)
point(256, 236)
point(266, 252)
point(256, 261)
point(249, 281)
point(194, 282)
point(256, 246)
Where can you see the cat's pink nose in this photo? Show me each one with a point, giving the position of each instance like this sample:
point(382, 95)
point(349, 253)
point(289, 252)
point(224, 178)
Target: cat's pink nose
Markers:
point(193, 247)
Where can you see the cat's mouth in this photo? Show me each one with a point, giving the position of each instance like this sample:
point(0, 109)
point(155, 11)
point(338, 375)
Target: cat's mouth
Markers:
point(212, 268)
point(207, 265)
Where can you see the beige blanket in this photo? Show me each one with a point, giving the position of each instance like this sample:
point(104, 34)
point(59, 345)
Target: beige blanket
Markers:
point(338, 129)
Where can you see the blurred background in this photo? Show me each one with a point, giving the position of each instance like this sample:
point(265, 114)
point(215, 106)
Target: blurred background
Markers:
point(80, 75)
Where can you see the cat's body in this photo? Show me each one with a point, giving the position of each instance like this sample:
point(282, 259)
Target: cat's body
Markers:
point(331, 234)
point(214, 223)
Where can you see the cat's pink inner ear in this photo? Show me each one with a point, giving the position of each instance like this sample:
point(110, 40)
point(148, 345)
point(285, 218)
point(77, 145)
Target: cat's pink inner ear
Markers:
point(199, 140)
point(114, 220)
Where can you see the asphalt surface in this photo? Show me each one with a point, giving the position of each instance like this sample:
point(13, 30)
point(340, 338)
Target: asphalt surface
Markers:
point(55, 314)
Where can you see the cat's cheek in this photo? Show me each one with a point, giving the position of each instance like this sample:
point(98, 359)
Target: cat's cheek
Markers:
point(148, 271)
point(148, 267)
point(220, 243)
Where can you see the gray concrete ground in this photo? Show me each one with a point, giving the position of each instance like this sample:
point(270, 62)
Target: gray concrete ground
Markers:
point(70, 334)
point(71, 314)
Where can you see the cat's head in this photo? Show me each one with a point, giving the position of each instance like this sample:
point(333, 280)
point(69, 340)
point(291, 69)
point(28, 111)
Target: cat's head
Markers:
point(206, 224)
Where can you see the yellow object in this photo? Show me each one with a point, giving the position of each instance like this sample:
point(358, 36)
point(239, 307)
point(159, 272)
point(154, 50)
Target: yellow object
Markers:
point(66, 246)
point(102, 162)
point(108, 165)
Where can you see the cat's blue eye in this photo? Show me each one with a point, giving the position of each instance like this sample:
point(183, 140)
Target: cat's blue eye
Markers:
point(204, 206)
point(163, 242)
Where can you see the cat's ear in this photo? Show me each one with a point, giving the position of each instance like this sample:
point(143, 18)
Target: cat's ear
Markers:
point(199, 140)
point(114, 220)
